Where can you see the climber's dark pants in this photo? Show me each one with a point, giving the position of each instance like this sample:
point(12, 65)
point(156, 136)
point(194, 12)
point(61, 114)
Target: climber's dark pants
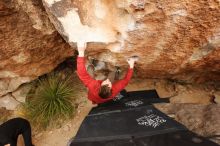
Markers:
point(13, 128)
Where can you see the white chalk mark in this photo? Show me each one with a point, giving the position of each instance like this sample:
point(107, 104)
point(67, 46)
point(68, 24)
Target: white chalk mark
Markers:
point(82, 33)
point(51, 2)
point(100, 9)
point(181, 12)
point(134, 103)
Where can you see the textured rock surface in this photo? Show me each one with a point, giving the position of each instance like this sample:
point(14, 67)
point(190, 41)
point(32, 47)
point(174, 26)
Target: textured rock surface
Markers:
point(21, 93)
point(192, 95)
point(8, 102)
point(29, 44)
point(11, 84)
point(174, 39)
point(202, 119)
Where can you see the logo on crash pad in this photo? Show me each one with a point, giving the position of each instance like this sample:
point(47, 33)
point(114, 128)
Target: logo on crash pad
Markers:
point(118, 97)
point(134, 103)
point(151, 120)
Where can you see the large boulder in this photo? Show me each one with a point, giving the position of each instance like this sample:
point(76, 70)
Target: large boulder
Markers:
point(178, 40)
point(29, 44)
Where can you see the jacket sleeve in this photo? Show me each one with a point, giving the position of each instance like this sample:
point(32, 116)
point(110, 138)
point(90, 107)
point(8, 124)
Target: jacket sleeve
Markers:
point(121, 84)
point(82, 73)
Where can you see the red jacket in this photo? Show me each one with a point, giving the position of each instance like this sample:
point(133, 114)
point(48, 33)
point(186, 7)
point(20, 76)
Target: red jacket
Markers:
point(94, 85)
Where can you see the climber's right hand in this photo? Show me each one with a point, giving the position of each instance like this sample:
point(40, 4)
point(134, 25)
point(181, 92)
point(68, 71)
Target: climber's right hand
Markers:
point(131, 60)
point(81, 47)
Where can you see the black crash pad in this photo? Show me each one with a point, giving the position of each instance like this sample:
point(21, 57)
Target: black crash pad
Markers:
point(178, 138)
point(133, 121)
point(125, 124)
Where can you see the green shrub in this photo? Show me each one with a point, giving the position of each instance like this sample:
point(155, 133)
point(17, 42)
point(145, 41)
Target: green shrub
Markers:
point(51, 102)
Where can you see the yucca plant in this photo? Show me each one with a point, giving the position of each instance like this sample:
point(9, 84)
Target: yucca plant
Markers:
point(52, 100)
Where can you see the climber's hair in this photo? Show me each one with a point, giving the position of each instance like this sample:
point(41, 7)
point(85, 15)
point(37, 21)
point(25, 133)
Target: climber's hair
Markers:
point(105, 91)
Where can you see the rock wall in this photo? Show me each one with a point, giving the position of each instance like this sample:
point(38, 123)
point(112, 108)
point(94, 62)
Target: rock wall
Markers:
point(177, 40)
point(174, 39)
point(29, 44)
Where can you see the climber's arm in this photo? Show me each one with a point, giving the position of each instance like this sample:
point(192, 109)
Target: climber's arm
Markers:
point(81, 47)
point(121, 84)
point(81, 69)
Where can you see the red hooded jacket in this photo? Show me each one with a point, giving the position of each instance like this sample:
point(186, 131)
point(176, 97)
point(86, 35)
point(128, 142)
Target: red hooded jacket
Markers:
point(94, 85)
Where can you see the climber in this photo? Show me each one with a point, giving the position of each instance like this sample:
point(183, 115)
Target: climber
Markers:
point(101, 91)
point(11, 129)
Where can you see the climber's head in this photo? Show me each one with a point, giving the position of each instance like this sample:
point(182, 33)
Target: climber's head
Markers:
point(106, 89)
